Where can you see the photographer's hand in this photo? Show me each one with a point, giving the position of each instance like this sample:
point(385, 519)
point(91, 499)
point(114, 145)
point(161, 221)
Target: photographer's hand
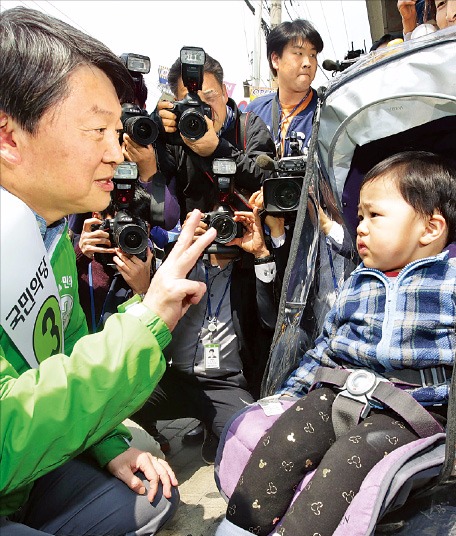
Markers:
point(407, 10)
point(143, 156)
point(135, 271)
point(90, 240)
point(256, 199)
point(252, 240)
point(168, 118)
point(206, 145)
point(170, 294)
point(276, 224)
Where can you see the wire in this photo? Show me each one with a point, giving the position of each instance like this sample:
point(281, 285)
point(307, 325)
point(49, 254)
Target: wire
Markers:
point(249, 5)
point(4, 9)
point(248, 52)
point(39, 7)
point(286, 8)
point(327, 28)
point(296, 14)
point(66, 16)
point(306, 10)
point(345, 25)
point(323, 72)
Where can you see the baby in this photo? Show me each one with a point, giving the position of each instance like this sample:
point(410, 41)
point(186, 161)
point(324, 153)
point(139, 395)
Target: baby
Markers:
point(393, 324)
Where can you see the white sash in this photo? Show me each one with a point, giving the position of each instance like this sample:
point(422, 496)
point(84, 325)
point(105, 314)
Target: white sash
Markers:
point(30, 303)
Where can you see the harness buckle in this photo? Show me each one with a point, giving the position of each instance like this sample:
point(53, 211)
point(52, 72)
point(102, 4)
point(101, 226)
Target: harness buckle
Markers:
point(433, 376)
point(359, 386)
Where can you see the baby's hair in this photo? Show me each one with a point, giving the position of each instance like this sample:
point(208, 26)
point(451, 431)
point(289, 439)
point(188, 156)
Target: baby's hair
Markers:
point(425, 180)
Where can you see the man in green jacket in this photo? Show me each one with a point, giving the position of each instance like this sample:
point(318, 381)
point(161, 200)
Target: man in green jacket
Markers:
point(66, 463)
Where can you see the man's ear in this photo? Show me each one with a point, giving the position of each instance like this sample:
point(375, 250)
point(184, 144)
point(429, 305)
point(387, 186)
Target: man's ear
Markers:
point(275, 60)
point(9, 151)
point(224, 93)
point(436, 228)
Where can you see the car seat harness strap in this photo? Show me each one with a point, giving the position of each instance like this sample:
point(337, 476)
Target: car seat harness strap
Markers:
point(360, 390)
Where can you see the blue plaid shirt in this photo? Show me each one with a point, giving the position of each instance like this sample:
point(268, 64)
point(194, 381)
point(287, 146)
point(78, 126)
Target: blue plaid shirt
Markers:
point(385, 324)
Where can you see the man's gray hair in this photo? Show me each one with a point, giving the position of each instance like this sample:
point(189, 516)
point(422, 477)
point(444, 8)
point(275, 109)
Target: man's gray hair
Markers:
point(38, 55)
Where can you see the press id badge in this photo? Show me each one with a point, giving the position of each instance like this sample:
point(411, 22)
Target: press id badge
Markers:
point(211, 356)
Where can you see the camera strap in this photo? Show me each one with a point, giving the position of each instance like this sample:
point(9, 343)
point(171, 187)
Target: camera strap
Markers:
point(241, 132)
point(30, 306)
point(275, 122)
point(95, 325)
point(212, 326)
point(157, 199)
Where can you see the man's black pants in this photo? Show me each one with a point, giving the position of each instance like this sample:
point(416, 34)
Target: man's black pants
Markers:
point(211, 400)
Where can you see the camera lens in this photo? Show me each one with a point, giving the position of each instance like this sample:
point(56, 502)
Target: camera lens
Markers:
point(287, 194)
point(142, 130)
point(226, 228)
point(132, 239)
point(192, 125)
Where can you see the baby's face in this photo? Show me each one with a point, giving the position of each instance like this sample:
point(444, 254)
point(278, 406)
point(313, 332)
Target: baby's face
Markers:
point(445, 13)
point(389, 229)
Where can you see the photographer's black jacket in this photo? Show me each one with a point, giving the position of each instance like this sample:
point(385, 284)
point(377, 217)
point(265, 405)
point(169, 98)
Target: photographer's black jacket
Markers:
point(253, 312)
point(195, 186)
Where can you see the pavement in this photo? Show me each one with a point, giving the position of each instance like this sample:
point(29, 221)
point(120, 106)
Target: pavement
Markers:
point(201, 506)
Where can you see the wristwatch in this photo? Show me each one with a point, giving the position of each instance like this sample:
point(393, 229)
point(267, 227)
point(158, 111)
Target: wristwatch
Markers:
point(263, 260)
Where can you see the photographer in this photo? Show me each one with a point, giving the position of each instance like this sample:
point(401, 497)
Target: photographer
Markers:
point(107, 275)
point(292, 49)
point(140, 145)
point(67, 466)
point(228, 134)
point(235, 320)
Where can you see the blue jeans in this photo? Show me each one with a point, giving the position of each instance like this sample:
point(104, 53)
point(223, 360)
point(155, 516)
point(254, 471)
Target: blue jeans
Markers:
point(80, 499)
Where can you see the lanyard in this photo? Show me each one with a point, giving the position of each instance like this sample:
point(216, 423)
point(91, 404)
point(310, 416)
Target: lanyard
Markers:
point(213, 319)
point(95, 325)
point(279, 130)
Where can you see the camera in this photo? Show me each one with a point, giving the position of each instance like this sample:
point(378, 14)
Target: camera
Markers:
point(190, 111)
point(136, 64)
point(137, 123)
point(223, 222)
point(350, 59)
point(222, 218)
point(282, 192)
point(126, 231)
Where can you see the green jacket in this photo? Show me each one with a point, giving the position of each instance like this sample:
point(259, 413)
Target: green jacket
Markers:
point(70, 404)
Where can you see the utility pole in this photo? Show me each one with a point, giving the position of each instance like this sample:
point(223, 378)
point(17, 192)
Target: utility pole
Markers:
point(276, 19)
point(257, 45)
point(276, 13)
